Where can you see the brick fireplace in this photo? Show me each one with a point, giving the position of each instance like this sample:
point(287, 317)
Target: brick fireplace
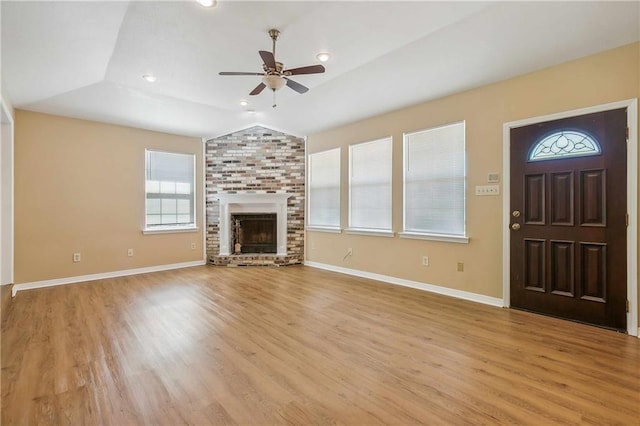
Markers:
point(252, 175)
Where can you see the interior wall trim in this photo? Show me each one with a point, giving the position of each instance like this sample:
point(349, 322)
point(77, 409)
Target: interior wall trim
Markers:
point(431, 288)
point(7, 224)
point(204, 199)
point(93, 277)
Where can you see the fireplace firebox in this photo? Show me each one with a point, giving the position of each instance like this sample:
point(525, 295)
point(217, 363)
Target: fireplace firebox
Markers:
point(254, 233)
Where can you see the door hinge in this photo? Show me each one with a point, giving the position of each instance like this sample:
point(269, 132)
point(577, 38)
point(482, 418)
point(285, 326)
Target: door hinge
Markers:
point(626, 219)
point(627, 305)
point(627, 134)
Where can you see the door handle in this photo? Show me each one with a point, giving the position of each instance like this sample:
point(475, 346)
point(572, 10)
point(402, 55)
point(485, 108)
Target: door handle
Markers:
point(515, 226)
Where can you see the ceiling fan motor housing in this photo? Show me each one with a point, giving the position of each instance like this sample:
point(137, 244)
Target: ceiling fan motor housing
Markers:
point(276, 70)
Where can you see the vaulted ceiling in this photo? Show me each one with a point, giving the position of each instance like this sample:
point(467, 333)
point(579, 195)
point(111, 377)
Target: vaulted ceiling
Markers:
point(86, 59)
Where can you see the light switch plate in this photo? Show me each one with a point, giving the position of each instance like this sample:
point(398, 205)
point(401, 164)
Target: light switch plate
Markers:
point(487, 189)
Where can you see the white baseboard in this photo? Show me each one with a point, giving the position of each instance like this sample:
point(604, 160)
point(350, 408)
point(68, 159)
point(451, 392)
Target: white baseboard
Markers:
point(82, 278)
point(459, 294)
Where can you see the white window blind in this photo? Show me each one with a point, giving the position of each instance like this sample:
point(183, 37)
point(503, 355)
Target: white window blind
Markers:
point(324, 189)
point(370, 185)
point(434, 181)
point(170, 183)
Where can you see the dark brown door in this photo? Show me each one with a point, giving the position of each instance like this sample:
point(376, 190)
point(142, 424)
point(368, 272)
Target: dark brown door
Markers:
point(568, 218)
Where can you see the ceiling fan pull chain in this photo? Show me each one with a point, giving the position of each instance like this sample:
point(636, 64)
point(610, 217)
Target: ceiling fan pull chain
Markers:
point(274, 100)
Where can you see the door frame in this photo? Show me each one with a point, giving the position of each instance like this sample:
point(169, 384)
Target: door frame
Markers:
point(632, 199)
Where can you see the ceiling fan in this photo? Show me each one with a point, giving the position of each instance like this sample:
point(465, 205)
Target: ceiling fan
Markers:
point(274, 76)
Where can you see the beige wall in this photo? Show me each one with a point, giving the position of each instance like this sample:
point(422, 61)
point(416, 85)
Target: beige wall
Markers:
point(79, 187)
point(606, 77)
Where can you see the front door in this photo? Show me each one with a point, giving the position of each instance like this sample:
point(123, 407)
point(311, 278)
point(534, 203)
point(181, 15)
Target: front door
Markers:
point(568, 218)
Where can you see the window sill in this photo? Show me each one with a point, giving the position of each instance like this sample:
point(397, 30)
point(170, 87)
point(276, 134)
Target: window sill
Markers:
point(169, 230)
point(329, 229)
point(371, 232)
point(435, 237)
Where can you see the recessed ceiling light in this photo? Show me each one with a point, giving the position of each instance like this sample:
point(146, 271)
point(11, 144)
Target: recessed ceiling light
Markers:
point(150, 78)
point(323, 57)
point(207, 3)
point(244, 103)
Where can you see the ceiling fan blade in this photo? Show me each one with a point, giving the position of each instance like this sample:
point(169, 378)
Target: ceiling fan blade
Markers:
point(268, 59)
point(259, 88)
point(296, 86)
point(311, 69)
point(241, 73)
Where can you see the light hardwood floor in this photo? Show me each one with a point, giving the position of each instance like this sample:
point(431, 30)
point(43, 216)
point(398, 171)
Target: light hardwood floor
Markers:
point(298, 345)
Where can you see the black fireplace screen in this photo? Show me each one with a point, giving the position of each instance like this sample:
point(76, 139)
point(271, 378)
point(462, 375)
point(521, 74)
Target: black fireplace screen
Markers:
point(254, 233)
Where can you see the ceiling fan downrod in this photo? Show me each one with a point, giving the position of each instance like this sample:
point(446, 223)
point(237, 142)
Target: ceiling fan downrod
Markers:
point(273, 33)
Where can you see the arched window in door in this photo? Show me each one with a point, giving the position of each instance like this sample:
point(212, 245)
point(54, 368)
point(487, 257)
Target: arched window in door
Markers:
point(564, 144)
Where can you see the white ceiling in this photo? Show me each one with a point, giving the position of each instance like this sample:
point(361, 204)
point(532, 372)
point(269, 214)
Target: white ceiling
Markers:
point(86, 59)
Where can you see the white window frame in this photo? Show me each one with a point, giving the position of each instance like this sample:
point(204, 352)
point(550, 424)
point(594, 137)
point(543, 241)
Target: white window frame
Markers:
point(323, 227)
point(382, 231)
point(425, 235)
point(173, 228)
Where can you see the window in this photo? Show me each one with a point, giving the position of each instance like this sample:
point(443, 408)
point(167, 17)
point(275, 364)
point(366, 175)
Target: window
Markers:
point(565, 144)
point(370, 185)
point(170, 183)
point(434, 182)
point(324, 189)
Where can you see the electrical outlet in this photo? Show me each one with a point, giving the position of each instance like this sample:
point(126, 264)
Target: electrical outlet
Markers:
point(425, 260)
point(460, 267)
point(76, 257)
point(193, 246)
point(487, 189)
point(130, 252)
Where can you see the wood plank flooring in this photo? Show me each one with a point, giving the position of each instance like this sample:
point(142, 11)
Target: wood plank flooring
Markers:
point(296, 345)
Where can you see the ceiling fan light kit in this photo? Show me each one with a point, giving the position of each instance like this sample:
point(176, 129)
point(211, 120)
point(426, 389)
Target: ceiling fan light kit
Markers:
point(273, 82)
point(274, 75)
